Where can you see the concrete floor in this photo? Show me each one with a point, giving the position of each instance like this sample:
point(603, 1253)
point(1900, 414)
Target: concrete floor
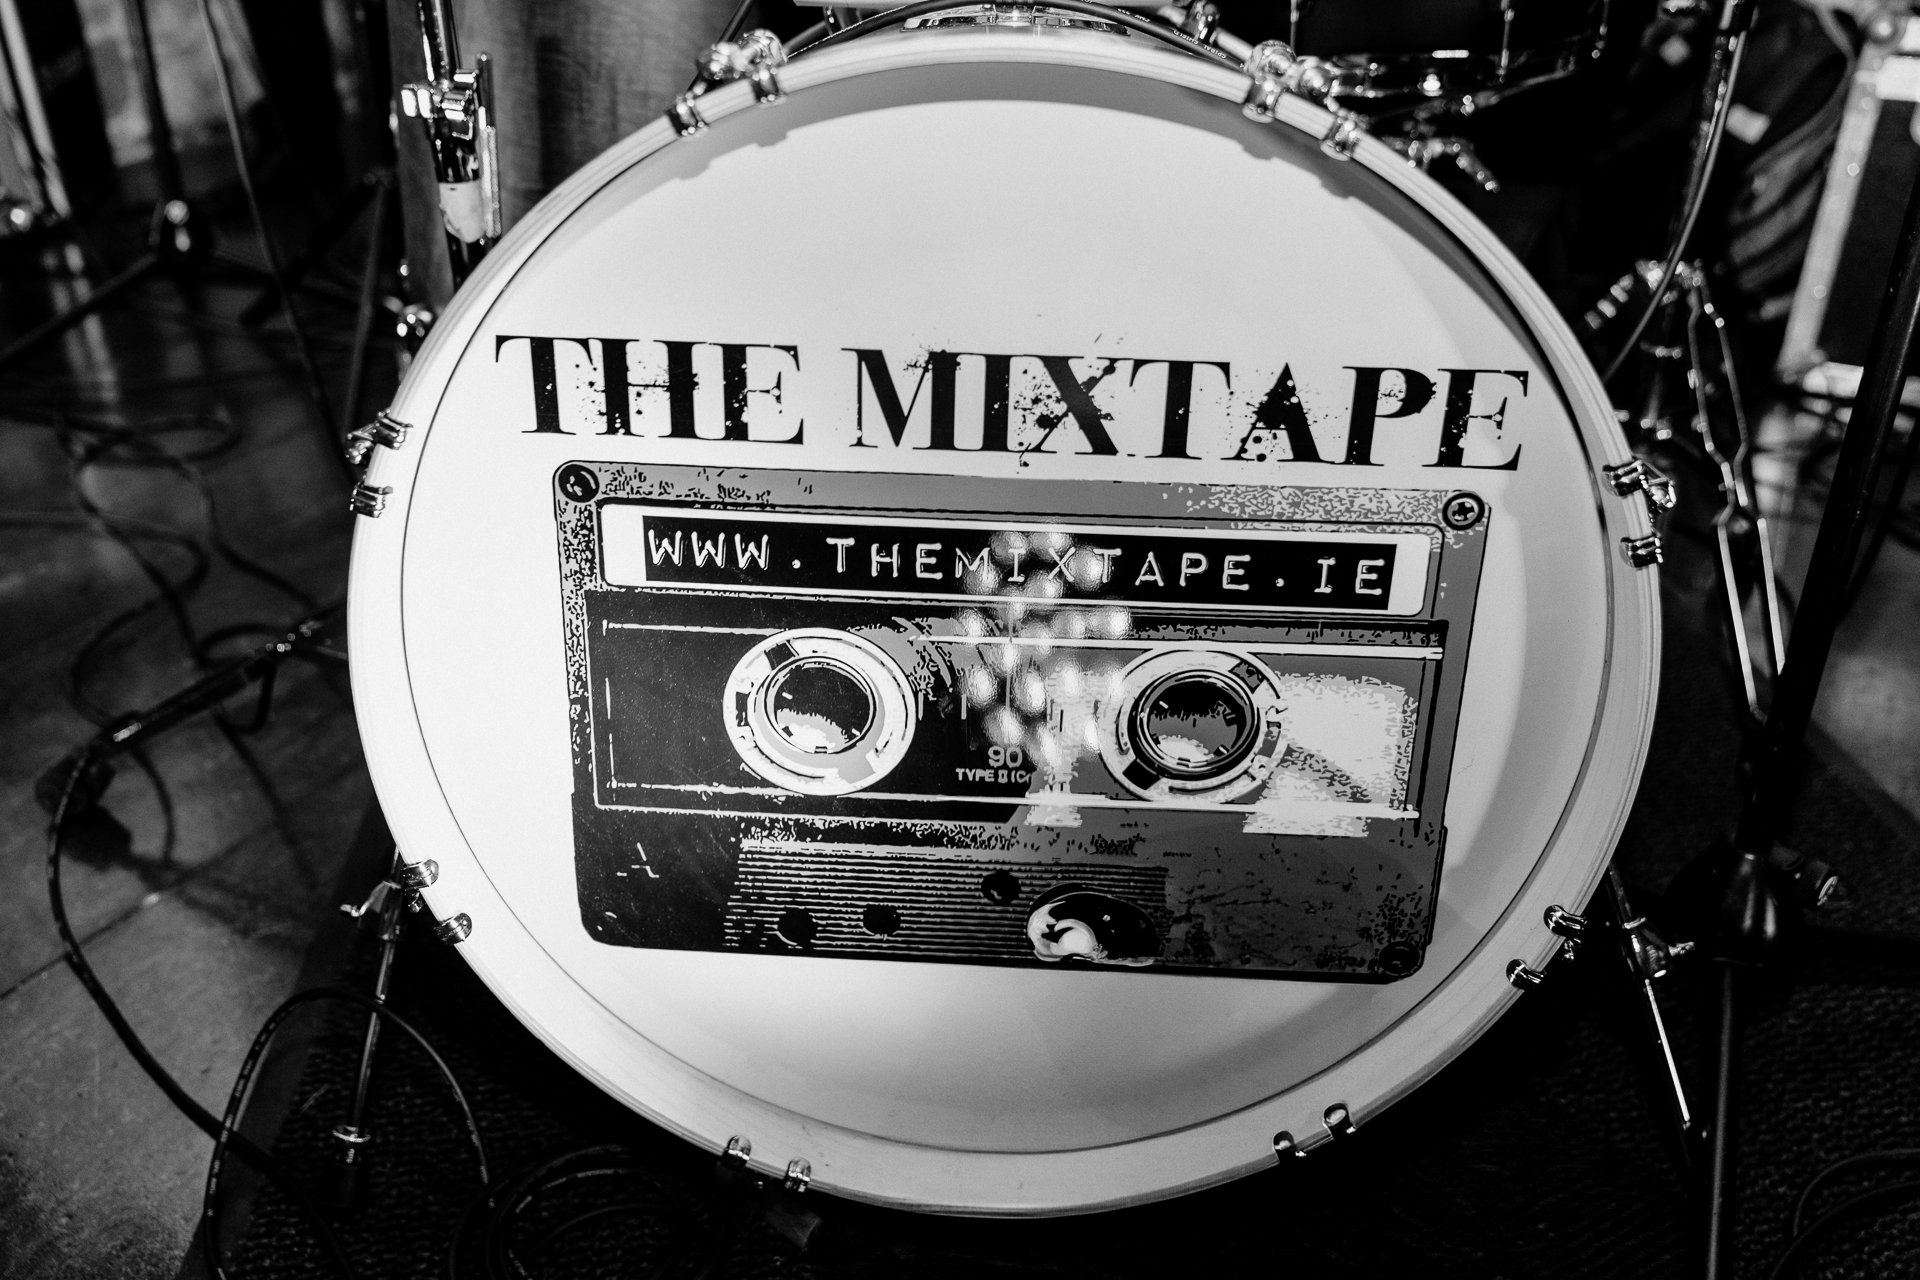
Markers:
point(198, 941)
point(98, 1174)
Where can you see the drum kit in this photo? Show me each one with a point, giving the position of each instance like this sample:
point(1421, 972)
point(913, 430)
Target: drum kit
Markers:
point(985, 711)
point(1103, 661)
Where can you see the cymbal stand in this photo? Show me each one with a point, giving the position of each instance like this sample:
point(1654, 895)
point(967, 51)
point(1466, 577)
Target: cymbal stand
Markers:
point(1690, 378)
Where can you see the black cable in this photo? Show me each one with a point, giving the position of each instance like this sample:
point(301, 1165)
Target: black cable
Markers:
point(90, 443)
point(228, 1134)
point(496, 1246)
point(1898, 1155)
point(1702, 169)
point(185, 1102)
point(1803, 1242)
point(143, 444)
point(579, 1220)
point(487, 1225)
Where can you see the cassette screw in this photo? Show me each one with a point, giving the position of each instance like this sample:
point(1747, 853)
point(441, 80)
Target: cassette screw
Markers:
point(799, 1176)
point(1284, 1146)
point(1339, 1121)
point(1463, 510)
point(739, 1151)
point(578, 483)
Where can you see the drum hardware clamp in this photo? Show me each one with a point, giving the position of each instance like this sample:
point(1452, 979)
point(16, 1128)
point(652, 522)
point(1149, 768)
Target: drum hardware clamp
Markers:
point(1648, 954)
point(1276, 70)
point(1643, 552)
point(413, 325)
point(456, 105)
point(1524, 976)
point(1421, 152)
point(408, 879)
point(1343, 135)
point(1642, 477)
point(385, 429)
point(415, 875)
point(754, 57)
point(1201, 21)
point(1565, 924)
point(1637, 475)
point(739, 1153)
point(397, 892)
point(1338, 1119)
point(369, 499)
point(1570, 928)
point(454, 930)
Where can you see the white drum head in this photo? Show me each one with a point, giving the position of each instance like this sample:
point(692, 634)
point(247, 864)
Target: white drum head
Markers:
point(1028, 365)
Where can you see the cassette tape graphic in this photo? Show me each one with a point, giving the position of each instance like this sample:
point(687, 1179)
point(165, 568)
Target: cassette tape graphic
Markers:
point(1205, 730)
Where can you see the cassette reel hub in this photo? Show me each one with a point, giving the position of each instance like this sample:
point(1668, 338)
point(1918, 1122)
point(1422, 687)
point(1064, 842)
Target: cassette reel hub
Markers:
point(819, 711)
point(1195, 726)
point(1203, 724)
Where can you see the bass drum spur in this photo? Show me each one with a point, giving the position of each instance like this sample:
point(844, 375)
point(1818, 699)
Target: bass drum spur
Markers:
point(973, 623)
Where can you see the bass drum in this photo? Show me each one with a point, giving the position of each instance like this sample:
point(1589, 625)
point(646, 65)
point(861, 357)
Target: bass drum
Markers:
point(999, 631)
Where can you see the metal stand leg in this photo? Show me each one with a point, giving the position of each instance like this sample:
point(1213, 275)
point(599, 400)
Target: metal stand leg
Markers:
point(387, 903)
point(143, 267)
point(1739, 514)
point(1647, 958)
point(1742, 890)
point(1718, 1170)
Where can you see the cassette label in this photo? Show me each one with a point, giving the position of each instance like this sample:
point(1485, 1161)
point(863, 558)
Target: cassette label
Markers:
point(975, 560)
point(996, 731)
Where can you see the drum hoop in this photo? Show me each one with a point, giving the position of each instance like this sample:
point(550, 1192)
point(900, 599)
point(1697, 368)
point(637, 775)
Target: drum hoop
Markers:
point(1370, 1076)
